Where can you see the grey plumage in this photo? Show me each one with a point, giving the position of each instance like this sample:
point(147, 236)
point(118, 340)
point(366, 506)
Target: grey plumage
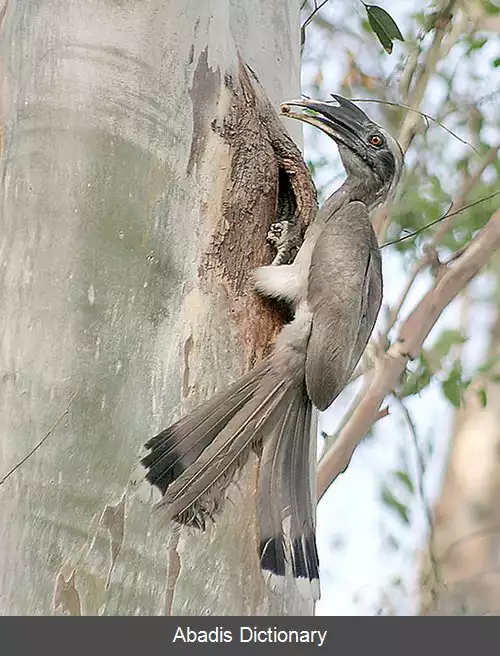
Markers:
point(334, 287)
point(343, 320)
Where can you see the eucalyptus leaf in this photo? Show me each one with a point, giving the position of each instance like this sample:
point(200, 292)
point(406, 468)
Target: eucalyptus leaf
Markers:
point(384, 26)
point(406, 480)
point(454, 387)
point(483, 397)
point(399, 508)
point(446, 341)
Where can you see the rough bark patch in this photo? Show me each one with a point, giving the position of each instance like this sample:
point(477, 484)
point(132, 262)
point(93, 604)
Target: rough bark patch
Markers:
point(268, 181)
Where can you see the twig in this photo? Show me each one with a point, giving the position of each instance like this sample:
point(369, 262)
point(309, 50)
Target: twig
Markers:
point(428, 117)
point(459, 202)
point(414, 331)
point(446, 216)
point(37, 446)
point(310, 17)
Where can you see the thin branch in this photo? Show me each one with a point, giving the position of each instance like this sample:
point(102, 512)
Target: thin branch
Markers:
point(459, 202)
point(312, 15)
point(428, 117)
point(446, 216)
point(487, 97)
point(450, 282)
point(37, 446)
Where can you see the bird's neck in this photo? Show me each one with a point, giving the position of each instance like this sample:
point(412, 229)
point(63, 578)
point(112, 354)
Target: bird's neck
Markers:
point(353, 189)
point(333, 203)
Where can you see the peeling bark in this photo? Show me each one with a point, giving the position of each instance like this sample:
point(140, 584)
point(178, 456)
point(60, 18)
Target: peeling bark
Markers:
point(268, 181)
point(66, 597)
point(204, 93)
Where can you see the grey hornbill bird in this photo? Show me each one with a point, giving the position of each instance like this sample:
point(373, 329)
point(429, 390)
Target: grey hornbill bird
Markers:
point(334, 287)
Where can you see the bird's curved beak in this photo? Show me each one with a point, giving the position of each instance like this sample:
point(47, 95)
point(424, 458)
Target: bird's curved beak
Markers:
point(340, 119)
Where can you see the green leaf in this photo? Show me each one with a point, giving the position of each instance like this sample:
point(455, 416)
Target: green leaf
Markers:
point(446, 341)
point(489, 364)
point(438, 194)
point(414, 382)
point(463, 163)
point(491, 8)
point(476, 44)
point(390, 500)
point(384, 26)
point(454, 387)
point(382, 36)
point(496, 62)
point(406, 480)
point(452, 393)
point(483, 397)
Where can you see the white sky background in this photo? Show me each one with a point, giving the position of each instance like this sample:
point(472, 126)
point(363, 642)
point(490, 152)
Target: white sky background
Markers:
point(357, 565)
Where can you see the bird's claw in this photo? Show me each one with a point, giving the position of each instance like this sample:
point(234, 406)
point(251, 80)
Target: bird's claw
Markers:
point(277, 232)
point(284, 238)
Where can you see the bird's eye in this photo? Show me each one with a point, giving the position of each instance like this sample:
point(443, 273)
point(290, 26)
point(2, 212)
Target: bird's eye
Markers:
point(376, 140)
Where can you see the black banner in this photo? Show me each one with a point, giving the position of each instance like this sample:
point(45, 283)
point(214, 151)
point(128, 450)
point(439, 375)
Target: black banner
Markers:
point(139, 636)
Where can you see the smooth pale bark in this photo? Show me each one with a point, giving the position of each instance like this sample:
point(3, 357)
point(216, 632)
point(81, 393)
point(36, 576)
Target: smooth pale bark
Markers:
point(464, 578)
point(113, 318)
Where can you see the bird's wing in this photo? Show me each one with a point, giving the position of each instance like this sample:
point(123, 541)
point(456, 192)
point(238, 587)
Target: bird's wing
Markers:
point(344, 295)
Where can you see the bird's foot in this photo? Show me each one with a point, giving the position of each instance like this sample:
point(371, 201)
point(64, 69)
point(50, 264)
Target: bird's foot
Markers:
point(284, 237)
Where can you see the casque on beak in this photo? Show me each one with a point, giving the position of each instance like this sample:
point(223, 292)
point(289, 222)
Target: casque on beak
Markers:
point(340, 119)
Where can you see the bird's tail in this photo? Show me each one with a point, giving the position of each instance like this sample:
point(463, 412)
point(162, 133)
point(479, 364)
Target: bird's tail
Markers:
point(192, 462)
point(286, 511)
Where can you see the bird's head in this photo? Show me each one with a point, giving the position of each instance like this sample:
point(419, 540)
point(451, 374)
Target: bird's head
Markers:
point(373, 159)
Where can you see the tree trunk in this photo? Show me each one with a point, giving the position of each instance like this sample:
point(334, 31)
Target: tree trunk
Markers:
point(464, 578)
point(141, 168)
